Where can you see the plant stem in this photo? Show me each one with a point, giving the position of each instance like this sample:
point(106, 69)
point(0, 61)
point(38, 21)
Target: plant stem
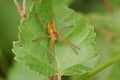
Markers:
point(108, 5)
point(49, 78)
point(101, 67)
point(21, 10)
point(59, 76)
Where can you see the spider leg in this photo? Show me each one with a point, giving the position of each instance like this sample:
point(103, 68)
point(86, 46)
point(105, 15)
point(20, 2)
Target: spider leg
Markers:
point(51, 49)
point(61, 29)
point(43, 22)
point(74, 47)
point(39, 38)
point(54, 20)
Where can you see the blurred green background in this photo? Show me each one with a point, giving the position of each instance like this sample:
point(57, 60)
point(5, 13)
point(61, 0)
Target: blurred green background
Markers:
point(104, 15)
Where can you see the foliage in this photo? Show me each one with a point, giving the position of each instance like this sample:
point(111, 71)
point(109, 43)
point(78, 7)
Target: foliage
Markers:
point(32, 58)
point(35, 55)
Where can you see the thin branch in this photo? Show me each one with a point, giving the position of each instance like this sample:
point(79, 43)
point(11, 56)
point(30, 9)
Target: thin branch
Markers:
point(108, 6)
point(21, 11)
point(24, 8)
point(18, 6)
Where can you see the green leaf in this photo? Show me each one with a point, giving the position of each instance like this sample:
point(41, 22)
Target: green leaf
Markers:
point(20, 72)
point(35, 55)
point(61, 3)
